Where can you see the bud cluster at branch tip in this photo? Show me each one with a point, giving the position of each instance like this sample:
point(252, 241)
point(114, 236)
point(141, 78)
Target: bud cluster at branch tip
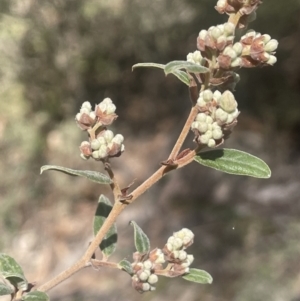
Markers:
point(104, 143)
point(145, 268)
point(217, 116)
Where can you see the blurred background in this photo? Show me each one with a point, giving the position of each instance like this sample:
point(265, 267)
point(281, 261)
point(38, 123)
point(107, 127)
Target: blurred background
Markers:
point(56, 54)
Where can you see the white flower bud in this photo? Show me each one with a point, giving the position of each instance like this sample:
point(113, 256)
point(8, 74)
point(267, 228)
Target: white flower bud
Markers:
point(229, 28)
point(152, 279)
point(78, 116)
point(108, 136)
point(203, 34)
point(87, 105)
point(200, 102)
point(230, 52)
point(182, 255)
point(272, 60)
point(122, 148)
point(92, 114)
point(271, 45)
point(221, 115)
point(95, 154)
point(190, 258)
point(221, 3)
point(101, 140)
point(118, 139)
point(217, 134)
point(143, 276)
point(227, 102)
point(266, 38)
point(169, 246)
point(209, 120)
point(202, 127)
point(146, 287)
point(195, 57)
point(84, 111)
point(221, 40)
point(95, 144)
point(236, 63)
point(204, 139)
point(102, 151)
point(177, 244)
point(238, 48)
point(211, 143)
point(84, 157)
point(111, 108)
point(107, 100)
point(147, 264)
point(207, 95)
point(175, 254)
point(201, 117)
point(217, 95)
point(195, 125)
point(216, 32)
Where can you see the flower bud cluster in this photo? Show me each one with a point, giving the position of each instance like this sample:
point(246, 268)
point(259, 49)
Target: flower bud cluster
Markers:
point(235, 6)
point(196, 58)
point(258, 49)
point(217, 116)
point(144, 278)
point(175, 253)
point(147, 267)
point(103, 143)
point(216, 37)
point(231, 56)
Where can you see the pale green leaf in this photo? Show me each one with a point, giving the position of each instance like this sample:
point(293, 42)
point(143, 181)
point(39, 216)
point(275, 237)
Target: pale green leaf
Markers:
point(141, 240)
point(198, 276)
point(5, 289)
point(126, 266)
point(94, 176)
point(36, 296)
point(109, 242)
point(234, 162)
point(12, 271)
point(181, 75)
point(188, 66)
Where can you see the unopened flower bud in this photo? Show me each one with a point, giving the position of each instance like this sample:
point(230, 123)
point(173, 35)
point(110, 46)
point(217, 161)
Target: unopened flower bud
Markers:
point(102, 151)
point(152, 279)
point(108, 136)
point(95, 144)
point(92, 115)
point(146, 287)
point(272, 60)
point(236, 63)
point(229, 28)
point(177, 244)
point(216, 32)
point(238, 48)
point(118, 139)
point(207, 95)
point(202, 127)
point(84, 111)
point(211, 143)
point(271, 45)
point(87, 105)
point(227, 102)
point(95, 154)
point(217, 134)
point(229, 51)
point(217, 95)
point(147, 264)
point(266, 38)
point(143, 276)
point(203, 34)
point(209, 120)
point(201, 117)
point(221, 115)
point(182, 255)
point(204, 139)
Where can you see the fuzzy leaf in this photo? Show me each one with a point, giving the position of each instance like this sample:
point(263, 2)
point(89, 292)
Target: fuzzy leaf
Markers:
point(234, 162)
point(36, 296)
point(109, 242)
point(12, 271)
point(5, 289)
point(126, 266)
point(181, 75)
point(188, 66)
point(198, 276)
point(141, 240)
point(94, 176)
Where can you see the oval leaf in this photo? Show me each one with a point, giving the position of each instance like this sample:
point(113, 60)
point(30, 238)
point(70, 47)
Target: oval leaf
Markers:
point(181, 75)
point(5, 289)
point(198, 276)
point(89, 174)
point(12, 271)
point(36, 296)
point(188, 66)
point(108, 244)
point(126, 266)
point(234, 162)
point(141, 240)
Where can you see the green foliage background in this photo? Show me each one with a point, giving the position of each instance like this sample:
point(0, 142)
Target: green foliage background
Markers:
point(56, 54)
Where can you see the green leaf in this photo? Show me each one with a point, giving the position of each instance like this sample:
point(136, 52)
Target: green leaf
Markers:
point(181, 75)
point(12, 271)
point(198, 276)
point(36, 296)
point(188, 66)
point(108, 244)
point(234, 162)
point(126, 266)
point(89, 174)
point(5, 289)
point(141, 240)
